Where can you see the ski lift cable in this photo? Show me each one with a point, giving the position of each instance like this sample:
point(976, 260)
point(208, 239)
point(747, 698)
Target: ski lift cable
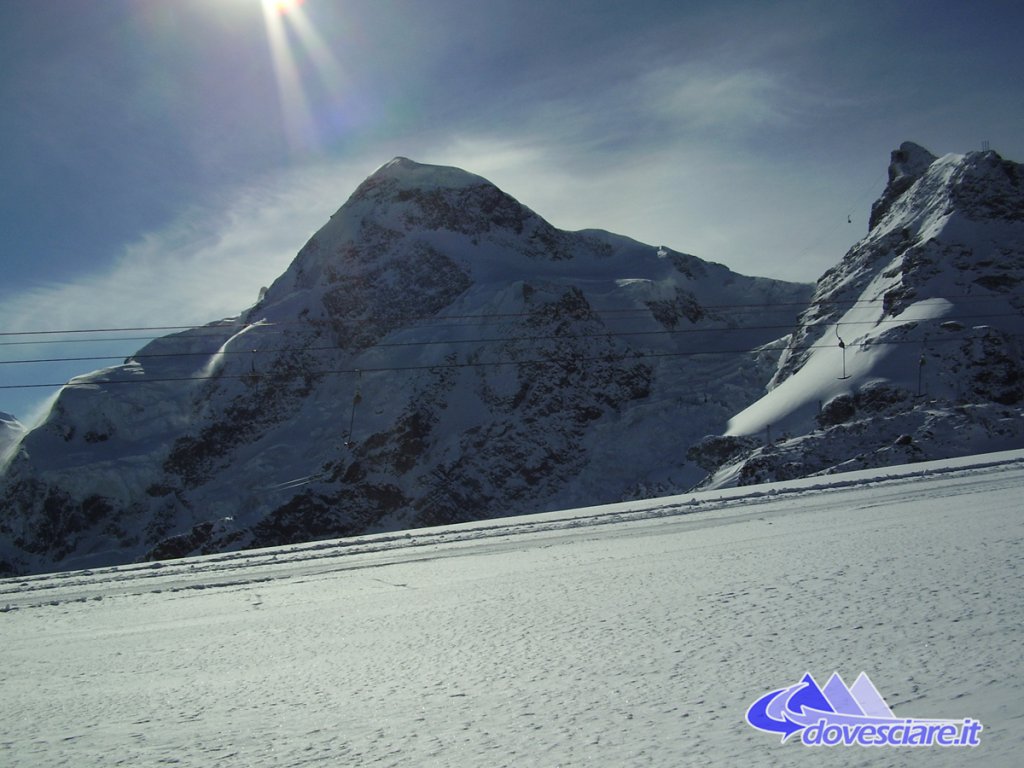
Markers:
point(201, 329)
point(634, 356)
point(831, 230)
point(141, 357)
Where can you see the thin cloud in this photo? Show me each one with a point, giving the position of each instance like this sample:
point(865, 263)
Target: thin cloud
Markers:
point(709, 100)
point(209, 264)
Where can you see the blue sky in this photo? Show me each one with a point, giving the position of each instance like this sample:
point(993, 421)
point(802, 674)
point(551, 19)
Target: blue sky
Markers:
point(162, 159)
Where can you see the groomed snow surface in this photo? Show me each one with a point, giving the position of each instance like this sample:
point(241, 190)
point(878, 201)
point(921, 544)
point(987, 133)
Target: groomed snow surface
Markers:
point(632, 635)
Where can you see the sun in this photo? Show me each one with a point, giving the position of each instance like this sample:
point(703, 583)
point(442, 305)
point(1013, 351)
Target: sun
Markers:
point(282, 6)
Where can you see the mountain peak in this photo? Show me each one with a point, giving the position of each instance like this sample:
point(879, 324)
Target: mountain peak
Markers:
point(409, 174)
point(400, 161)
point(906, 165)
point(910, 160)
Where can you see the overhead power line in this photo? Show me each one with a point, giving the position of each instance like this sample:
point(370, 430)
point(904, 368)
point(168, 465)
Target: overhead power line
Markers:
point(139, 357)
point(637, 356)
point(643, 311)
point(104, 330)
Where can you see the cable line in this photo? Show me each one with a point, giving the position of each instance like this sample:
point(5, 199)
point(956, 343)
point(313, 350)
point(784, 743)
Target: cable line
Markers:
point(139, 357)
point(610, 358)
point(644, 311)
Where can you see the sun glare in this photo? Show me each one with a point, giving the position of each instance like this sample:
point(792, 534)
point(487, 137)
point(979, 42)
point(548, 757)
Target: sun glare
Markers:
point(282, 17)
point(282, 6)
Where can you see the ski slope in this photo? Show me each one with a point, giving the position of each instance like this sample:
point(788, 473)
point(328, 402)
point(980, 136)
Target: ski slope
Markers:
point(629, 635)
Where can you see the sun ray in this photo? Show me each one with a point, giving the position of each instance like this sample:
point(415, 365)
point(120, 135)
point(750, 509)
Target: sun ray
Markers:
point(326, 64)
point(298, 121)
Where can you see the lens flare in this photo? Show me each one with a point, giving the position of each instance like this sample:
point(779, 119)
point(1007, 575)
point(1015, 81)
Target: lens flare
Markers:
point(291, 32)
point(281, 7)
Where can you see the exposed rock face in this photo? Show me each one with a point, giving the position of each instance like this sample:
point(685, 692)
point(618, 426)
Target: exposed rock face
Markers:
point(908, 164)
point(500, 366)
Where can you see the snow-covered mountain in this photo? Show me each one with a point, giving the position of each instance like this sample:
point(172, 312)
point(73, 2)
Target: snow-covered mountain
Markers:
point(911, 348)
point(437, 352)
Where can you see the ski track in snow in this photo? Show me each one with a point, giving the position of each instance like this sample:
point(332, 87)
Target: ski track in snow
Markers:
point(631, 635)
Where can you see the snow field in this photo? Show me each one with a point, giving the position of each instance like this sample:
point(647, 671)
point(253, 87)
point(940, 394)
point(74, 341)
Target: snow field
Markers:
point(635, 635)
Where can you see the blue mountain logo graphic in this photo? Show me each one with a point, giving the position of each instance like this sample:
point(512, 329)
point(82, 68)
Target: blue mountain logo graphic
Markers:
point(856, 715)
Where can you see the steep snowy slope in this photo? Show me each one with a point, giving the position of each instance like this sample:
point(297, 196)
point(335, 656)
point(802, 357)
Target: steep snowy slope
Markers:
point(437, 352)
point(11, 431)
point(911, 348)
